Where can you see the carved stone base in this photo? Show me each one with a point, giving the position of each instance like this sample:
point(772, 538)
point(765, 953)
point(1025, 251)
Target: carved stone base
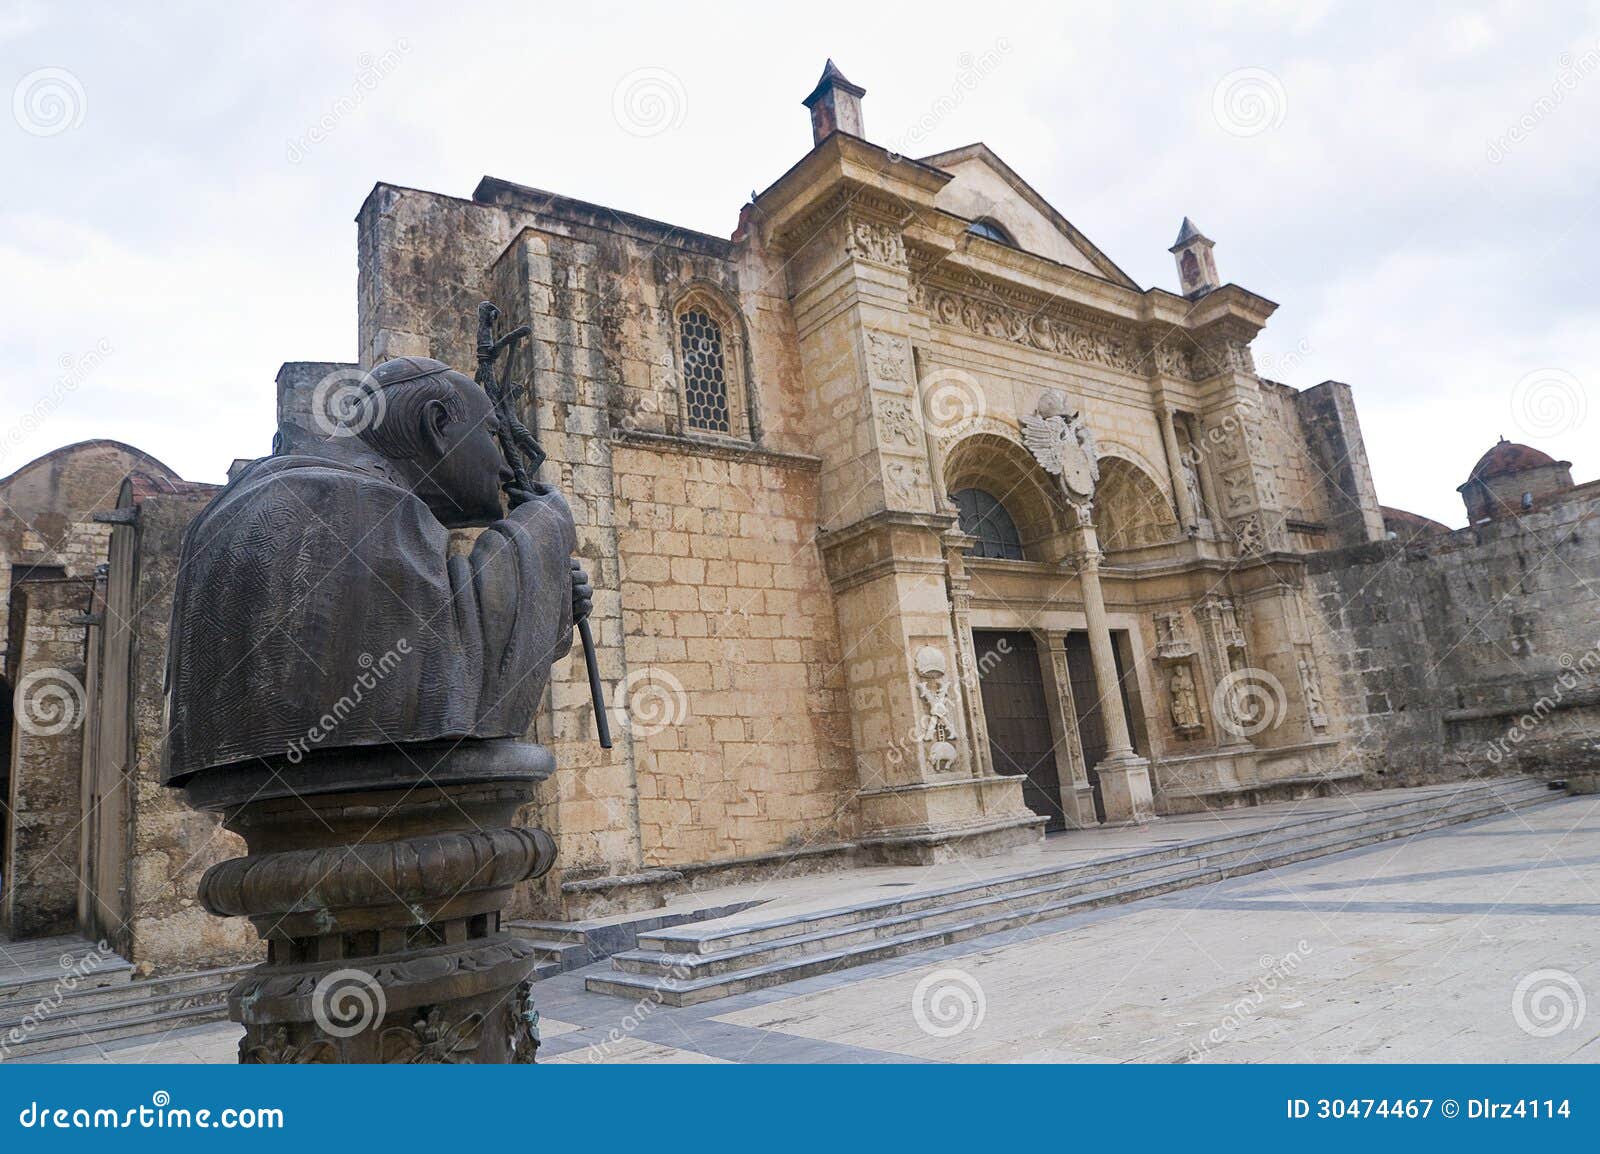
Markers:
point(1125, 790)
point(377, 881)
point(467, 1004)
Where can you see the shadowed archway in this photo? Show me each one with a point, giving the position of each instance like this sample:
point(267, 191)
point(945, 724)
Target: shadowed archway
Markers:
point(1005, 471)
point(1130, 509)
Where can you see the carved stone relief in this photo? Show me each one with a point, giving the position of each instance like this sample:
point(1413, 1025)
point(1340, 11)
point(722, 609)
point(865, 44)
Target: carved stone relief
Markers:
point(1311, 688)
point(937, 730)
point(877, 242)
point(886, 360)
point(906, 484)
point(897, 424)
point(1185, 701)
point(1248, 535)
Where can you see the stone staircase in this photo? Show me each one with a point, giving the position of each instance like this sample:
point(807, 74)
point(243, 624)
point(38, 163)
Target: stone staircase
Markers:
point(47, 1018)
point(105, 1005)
point(704, 961)
point(562, 946)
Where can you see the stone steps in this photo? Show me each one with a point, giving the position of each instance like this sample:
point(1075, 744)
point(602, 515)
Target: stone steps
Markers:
point(564, 946)
point(89, 1016)
point(695, 964)
point(712, 938)
point(35, 969)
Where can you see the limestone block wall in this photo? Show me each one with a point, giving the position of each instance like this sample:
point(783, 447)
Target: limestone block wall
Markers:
point(740, 729)
point(423, 259)
point(1472, 654)
point(1326, 469)
point(170, 845)
point(45, 665)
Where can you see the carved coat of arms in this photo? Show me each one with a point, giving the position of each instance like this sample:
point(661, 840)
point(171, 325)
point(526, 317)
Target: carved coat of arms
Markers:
point(1062, 443)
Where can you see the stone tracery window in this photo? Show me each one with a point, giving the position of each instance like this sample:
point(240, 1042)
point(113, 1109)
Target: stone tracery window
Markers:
point(705, 377)
point(984, 517)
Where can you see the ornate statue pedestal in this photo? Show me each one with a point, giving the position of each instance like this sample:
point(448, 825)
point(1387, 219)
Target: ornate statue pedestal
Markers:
point(377, 877)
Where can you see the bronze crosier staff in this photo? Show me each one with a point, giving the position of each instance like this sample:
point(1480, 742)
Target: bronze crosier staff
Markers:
point(515, 440)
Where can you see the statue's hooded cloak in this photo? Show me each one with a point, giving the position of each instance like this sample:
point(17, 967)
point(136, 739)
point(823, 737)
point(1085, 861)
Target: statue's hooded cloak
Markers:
point(319, 606)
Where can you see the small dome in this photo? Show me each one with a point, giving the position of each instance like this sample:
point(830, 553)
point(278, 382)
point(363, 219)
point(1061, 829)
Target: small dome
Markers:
point(1508, 457)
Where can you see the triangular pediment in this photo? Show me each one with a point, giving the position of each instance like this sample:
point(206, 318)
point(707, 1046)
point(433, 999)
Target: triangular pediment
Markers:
point(984, 187)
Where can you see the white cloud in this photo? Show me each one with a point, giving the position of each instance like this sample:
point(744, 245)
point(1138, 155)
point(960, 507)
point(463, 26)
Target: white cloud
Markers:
point(172, 223)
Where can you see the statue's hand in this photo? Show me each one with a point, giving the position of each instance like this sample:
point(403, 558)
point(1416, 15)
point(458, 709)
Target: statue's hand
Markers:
point(582, 593)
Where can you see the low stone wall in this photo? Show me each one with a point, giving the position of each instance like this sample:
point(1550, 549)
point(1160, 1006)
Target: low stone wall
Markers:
point(1471, 654)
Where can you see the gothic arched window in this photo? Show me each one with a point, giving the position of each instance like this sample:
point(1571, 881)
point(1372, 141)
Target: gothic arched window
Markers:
point(705, 371)
point(984, 517)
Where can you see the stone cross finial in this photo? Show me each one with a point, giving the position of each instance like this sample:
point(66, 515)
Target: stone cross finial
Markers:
point(835, 106)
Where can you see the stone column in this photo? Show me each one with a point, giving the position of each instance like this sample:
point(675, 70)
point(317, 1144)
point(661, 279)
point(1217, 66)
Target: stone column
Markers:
point(1077, 794)
point(1124, 775)
point(1188, 515)
point(967, 656)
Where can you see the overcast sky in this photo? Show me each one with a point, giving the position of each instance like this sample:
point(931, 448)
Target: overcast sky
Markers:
point(1416, 186)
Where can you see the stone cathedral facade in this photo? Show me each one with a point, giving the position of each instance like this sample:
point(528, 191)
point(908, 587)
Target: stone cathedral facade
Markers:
point(770, 440)
point(849, 606)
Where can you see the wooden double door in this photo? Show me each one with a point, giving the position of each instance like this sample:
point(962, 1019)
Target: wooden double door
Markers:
point(1016, 713)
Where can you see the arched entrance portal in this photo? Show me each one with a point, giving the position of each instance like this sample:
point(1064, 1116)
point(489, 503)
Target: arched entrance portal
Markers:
point(1042, 705)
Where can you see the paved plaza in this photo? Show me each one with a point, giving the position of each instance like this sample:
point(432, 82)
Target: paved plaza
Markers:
point(1471, 943)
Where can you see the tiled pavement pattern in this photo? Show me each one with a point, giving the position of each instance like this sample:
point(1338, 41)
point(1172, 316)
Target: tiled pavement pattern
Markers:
point(1402, 951)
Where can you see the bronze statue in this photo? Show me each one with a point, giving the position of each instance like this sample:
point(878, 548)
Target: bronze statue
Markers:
point(354, 697)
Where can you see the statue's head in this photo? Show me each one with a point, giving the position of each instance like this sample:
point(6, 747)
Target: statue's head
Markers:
point(437, 427)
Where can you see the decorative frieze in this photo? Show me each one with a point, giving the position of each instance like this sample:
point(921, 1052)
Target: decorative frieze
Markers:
point(1120, 347)
point(1034, 329)
point(878, 243)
